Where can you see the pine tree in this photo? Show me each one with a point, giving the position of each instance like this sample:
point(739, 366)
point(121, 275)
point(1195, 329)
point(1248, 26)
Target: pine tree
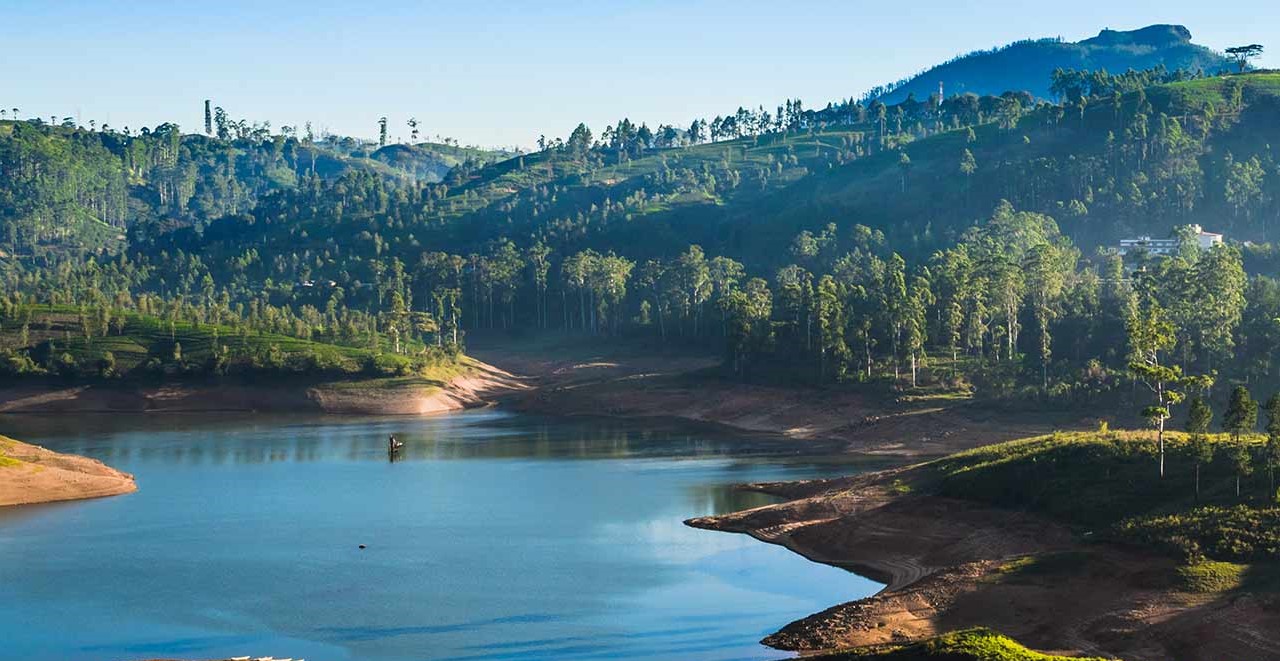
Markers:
point(1242, 457)
point(1272, 455)
point(1242, 413)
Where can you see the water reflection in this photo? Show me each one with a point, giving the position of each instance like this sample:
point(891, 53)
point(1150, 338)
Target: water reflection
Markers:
point(255, 439)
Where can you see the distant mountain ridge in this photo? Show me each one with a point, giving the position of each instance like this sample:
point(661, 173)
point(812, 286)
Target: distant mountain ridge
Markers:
point(1028, 65)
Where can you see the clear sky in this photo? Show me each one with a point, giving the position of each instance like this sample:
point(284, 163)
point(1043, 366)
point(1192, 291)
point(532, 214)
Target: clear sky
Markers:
point(501, 73)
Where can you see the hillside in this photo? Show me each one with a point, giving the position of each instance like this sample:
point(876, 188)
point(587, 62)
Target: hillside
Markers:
point(431, 162)
point(1140, 163)
point(66, 345)
point(1027, 65)
point(1070, 542)
point(63, 358)
point(950, 248)
point(66, 188)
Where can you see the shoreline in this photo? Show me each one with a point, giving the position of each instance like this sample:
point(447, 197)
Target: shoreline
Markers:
point(30, 474)
point(594, 379)
point(476, 386)
point(954, 565)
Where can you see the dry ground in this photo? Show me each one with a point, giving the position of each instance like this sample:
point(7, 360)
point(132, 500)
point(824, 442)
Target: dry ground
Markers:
point(576, 376)
point(951, 564)
point(31, 474)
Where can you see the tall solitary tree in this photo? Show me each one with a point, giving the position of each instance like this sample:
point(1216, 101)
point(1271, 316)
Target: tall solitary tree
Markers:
point(208, 118)
point(1199, 415)
point(1243, 54)
point(1151, 335)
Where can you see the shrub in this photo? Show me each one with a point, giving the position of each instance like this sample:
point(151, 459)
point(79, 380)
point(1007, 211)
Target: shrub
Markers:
point(967, 645)
point(1224, 533)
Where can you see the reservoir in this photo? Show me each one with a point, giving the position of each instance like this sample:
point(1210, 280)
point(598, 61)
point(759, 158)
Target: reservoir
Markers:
point(490, 535)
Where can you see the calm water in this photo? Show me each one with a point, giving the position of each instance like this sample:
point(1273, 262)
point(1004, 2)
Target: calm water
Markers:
point(496, 536)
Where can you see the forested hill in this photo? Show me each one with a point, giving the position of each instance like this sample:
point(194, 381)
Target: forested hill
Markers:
point(1027, 65)
point(852, 242)
point(1136, 153)
point(65, 188)
point(1110, 164)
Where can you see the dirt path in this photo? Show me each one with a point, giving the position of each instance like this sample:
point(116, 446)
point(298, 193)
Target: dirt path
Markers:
point(31, 474)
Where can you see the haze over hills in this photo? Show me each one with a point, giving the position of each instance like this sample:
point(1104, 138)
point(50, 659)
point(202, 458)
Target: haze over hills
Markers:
point(1027, 65)
point(332, 239)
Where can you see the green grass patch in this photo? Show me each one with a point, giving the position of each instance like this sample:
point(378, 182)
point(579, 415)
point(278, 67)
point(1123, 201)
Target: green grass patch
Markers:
point(5, 460)
point(967, 645)
point(901, 488)
point(1211, 576)
point(1107, 484)
point(67, 342)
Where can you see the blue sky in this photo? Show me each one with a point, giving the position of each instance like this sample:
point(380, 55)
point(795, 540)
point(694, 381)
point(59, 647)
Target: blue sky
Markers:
point(501, 73)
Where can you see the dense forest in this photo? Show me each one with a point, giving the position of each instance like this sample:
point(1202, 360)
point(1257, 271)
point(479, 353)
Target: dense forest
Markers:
point(66, 186)
point(961, 245)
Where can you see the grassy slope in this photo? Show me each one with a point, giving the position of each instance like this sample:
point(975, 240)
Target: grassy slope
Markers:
point(967, 645)
point(1095, 479)
point(145, 337)
point(5, 460)
point(1106, 485)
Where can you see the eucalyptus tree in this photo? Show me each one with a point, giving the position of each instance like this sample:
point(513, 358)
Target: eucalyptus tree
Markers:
point(538, 257)
point(1047, 269)
point(748, 328)
point(919, 299)
point(694, 275)
point(897, 307)
point(724, 273)
point(1151, 338)
point(654, 281)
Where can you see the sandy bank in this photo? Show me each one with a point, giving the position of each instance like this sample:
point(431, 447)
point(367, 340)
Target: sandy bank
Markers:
point(31, 474)
point(951, 565)
point(389, 396)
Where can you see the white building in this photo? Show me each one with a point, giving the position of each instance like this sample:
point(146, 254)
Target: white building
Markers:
point(1168, 246)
